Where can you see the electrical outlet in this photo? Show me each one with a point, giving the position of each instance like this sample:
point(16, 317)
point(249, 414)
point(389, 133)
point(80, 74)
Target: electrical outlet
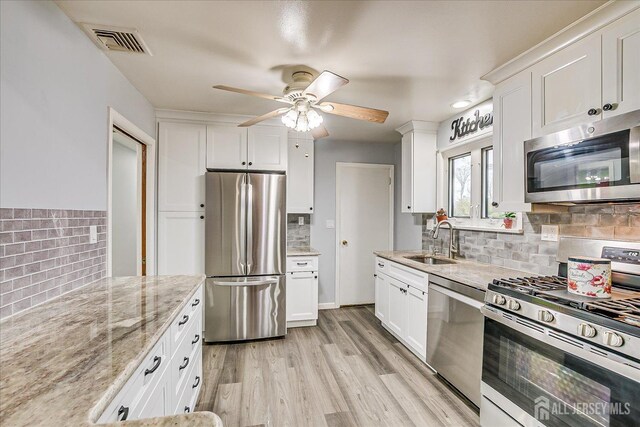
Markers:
point(300, 220)
point(331, 223)
point(93, 234)
point(549, 233)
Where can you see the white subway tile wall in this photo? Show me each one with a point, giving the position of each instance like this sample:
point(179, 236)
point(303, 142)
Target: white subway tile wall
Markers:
point(45, 253)
point(298, 236)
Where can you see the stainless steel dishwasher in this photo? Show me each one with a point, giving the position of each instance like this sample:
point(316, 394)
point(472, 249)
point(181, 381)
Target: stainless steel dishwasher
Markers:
point(454, 334)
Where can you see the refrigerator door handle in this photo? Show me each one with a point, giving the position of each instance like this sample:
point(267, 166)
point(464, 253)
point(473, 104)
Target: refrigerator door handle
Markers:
point(243, 220)
point(249, 240)
point(269, 282)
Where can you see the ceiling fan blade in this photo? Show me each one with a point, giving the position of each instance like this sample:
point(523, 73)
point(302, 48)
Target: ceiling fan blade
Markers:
point(325, 84)
point(274, 113)
point(252, 93)
point(319, 132)
point(354, 112)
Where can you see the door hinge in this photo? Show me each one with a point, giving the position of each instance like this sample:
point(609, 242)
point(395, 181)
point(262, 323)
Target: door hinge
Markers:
point(389, 180)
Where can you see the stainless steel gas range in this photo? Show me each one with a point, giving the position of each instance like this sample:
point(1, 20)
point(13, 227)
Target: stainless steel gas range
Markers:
point(551, 358)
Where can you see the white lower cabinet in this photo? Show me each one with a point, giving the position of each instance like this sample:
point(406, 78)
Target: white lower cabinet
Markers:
point(401, 304)
point(168, 380)
point(302, 291)
point(180, 243)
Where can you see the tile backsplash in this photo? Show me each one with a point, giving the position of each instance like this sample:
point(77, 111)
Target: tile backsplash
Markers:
point(527, 251)
point(45, 253)
point(298, 235)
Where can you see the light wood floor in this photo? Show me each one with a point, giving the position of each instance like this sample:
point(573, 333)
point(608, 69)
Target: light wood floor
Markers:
point(347, 371)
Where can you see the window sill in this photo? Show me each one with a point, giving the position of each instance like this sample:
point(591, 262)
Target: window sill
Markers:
point(485, 225)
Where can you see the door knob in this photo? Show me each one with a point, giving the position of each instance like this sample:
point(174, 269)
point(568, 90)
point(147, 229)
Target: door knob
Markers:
point(592, 112)
point(609, 107)
point(345, 243)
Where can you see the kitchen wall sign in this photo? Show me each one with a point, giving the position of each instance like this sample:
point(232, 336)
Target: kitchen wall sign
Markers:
point(461, 127)
point(473, 124)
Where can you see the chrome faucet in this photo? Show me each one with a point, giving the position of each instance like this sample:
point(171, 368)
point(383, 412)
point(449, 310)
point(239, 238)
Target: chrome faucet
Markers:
point(453, 249)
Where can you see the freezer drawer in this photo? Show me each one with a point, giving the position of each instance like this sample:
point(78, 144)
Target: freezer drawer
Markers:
point(245, 308)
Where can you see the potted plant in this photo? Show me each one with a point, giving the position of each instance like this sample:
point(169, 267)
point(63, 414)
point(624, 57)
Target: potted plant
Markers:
point(509, 217)
point(441, 215)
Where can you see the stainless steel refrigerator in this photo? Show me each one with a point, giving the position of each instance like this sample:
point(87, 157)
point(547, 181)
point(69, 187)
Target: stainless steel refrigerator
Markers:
point(245, 256)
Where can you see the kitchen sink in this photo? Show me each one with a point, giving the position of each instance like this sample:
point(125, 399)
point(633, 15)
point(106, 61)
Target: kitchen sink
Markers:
point(426, 259)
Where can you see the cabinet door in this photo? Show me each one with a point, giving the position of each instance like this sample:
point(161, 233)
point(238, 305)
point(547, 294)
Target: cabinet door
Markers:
point(181, 166)
point(300, 176)
point(267, 148)
point(226, 147)
point(407, 172)
point(416, 331)
point(566, 86)
point(158, 403)
point(511, 127)
point(180, 243)
point(621, 65)
point(302, 296)
point(397, 307)
point(382, 297)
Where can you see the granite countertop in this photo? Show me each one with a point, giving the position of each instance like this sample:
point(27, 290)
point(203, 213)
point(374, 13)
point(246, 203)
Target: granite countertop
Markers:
point(470, 273)
point(302, 251)
point(65, 360)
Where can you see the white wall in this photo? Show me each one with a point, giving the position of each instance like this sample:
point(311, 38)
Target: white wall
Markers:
point(124, 207)
point(326, 154)
point(55, 88)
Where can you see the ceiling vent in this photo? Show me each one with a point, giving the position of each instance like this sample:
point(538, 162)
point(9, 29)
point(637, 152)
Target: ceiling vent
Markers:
point(116, 38)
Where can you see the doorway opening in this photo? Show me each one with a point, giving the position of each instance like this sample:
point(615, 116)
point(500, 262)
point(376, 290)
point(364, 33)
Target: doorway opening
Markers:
point(364, 223)
point(131, 200)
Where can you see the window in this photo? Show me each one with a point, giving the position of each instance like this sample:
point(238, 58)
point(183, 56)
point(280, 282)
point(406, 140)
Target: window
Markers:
point(460, 186)
point(488, 210)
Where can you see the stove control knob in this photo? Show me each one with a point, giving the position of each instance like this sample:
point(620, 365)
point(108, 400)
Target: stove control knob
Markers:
point(513, 305)
point(586, 330)
point(545, 316)
point(612, 339)
point(499, 300)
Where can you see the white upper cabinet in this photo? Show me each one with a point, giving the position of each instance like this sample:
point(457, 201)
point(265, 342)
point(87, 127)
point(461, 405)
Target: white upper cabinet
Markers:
point(621, 65)
point(511, 127)
point(182, 164)
point(300, 175)
point(566, 87)
point(226, 147)
point(267, 148)
point(418, 167)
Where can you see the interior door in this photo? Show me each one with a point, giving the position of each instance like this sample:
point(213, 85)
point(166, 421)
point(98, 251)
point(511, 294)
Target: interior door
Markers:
point(266, 224)
point(365, 224)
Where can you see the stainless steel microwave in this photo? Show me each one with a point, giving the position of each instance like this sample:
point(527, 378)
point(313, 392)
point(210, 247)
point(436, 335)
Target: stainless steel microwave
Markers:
point(594, 162)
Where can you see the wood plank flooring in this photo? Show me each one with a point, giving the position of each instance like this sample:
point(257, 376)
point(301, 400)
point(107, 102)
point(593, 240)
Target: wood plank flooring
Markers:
point(347, 371)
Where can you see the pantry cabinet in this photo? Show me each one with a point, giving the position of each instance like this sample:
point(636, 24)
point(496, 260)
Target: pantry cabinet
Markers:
point(418, 167)
point(401, 297)
point(181, 163)
point(261, 148)
point(511, 127)
point(300, 174)
point(180, 243)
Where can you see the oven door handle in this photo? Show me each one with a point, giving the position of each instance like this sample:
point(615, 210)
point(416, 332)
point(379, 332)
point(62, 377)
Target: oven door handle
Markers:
point(566, 343)
point(456, 296)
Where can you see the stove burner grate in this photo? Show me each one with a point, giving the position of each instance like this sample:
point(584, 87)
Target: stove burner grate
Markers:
point(530, 285)
point(626, 310)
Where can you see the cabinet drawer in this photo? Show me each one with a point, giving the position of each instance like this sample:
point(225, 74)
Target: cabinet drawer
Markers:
point(302, 263)
point(382, 265)
point(188, 394)
point(184, 321)
point(409, 276)
point(140, 385)
point(189, 350)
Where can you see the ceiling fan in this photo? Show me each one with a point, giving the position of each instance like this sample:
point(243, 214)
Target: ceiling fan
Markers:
point(304, 96)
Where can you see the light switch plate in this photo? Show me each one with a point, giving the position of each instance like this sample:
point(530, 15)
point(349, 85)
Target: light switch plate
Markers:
point(300, 220)
point(93, 234)
point(331, 223)
point(549, 233)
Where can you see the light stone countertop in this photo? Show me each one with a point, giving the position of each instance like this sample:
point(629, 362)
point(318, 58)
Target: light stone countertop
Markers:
point(302, 251)
point(470, 273)
point(62, 362)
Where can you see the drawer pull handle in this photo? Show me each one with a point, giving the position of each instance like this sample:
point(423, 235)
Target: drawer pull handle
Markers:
point(184, 365)
point(195, 302)
point(381, 265)
point(156, 360)
point(197, 383)
point(184, 320)
point(123, 413)
point(302, 263)
point(187, 409)
point(195, 339)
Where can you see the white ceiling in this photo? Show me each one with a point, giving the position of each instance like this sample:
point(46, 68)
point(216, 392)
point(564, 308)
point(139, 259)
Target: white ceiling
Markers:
point(411, 58)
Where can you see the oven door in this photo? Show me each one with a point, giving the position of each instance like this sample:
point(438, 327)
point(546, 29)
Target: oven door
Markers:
point(555, 378)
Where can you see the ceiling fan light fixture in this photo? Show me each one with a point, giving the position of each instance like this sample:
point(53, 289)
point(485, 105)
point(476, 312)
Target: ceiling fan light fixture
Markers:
point(302, 121)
